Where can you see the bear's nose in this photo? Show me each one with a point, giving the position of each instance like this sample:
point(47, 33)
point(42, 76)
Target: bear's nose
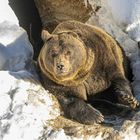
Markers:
point(60, 66)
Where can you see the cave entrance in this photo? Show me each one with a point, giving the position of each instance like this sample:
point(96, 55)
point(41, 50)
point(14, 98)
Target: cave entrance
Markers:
point(29, 19)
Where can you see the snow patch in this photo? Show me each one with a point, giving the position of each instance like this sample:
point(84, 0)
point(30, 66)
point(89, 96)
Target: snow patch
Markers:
point(24, 106)
point(6, 13)
point(15, 48)
point(127, 14)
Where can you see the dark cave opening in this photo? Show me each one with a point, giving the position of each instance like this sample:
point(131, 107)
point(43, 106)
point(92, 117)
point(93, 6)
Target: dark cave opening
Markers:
point(29, 19)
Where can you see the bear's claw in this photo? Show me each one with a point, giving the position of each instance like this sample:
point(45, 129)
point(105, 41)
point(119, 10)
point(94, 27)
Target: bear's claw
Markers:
point(129, 100)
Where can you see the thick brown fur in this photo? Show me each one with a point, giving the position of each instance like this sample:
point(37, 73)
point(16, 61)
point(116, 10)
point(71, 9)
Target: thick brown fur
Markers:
point(78, 62)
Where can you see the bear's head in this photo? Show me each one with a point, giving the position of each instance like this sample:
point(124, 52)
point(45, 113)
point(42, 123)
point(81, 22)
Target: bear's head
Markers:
point(63, 57)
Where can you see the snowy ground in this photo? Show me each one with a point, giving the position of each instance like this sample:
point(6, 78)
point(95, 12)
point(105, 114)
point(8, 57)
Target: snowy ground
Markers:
point(126, 13)
point(25, 107)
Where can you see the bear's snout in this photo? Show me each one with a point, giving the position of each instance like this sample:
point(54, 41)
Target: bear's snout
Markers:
point(60, 66)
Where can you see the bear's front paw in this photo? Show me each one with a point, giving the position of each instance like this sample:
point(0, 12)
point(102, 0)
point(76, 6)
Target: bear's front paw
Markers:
point(86, 114)
point(90, 115)
point(128, 100)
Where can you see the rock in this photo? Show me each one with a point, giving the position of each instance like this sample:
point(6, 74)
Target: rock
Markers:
point(130, 130)
point(52, 12)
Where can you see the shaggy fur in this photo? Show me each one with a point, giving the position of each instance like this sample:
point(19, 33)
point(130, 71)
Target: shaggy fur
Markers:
point(78, 62)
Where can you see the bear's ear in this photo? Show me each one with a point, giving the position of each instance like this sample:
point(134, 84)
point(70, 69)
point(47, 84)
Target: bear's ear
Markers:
point(45, 35)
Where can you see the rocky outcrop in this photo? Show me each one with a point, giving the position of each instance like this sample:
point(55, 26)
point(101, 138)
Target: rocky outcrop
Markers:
point(52, 12)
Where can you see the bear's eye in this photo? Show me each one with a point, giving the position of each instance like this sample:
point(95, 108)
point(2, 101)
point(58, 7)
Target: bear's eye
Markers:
point(68, 53)
point(53, 53)
point(50, 38)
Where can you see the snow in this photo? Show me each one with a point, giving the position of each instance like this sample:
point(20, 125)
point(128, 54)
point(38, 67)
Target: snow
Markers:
point(127, 13)
point(5, 104)
point(15, 48)
point(23, 113)
point(25, 106)
point(6, 13)
point(120, 10)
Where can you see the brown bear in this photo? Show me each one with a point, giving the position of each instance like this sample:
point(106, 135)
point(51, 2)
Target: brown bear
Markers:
point(78, 62)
